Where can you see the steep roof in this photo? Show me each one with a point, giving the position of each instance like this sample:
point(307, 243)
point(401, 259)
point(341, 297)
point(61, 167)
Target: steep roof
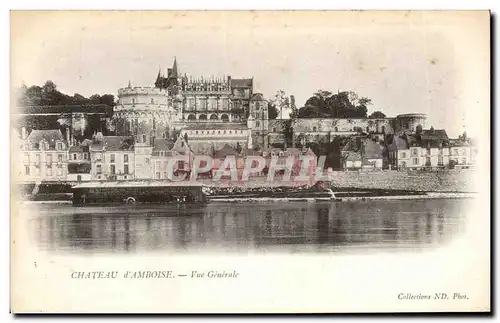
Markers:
point(114, 143)
point(251, 152)
point(397, 143)
point(241, 83)
point(257, 97)
point(225, 151)
point(352, 156)
point(459, 143)
point(434, 138)
point(163, 144)
point(372, 150)
point(50, 136)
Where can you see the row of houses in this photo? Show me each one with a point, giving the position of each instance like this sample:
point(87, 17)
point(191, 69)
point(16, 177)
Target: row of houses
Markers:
point(426, 149)
point(47, 155)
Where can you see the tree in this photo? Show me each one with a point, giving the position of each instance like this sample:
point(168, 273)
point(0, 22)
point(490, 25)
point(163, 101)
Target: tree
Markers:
point(377, 115)
point(325, 104)
point(281, 102)
point(272, 112)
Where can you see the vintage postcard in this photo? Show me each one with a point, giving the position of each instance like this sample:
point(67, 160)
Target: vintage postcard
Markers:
point(250, 161)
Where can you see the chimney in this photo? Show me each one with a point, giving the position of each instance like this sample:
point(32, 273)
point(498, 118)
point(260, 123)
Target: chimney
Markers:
point(24, 133)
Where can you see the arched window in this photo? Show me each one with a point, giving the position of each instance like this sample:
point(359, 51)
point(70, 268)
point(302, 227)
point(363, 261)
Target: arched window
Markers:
point(152, 100)
point(191, 117)
point(336, 129)
point(213, 117)
point(133, 101)
point(315, 129)
point(202, 117)
point(225, 118)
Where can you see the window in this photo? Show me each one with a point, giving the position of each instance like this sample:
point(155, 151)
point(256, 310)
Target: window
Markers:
point(367, 129)
point(428, 151)
point(403, 155)
point(125, 169)
point(143, 138)
point(112, 158)
point(181, 164)
point(59, 146)
point(49, 159)
point(415, 161)
point(26, 158)
point(79, 178)
point(112, 169)
point(157, 175)
point(38, 158)
point(161, 153)
point(257, 123)
point(427, 161)
point(440, 161)
point(85, 156)
point(49, 171)
point(152, 101)
point(98, 156)
point(414, 152)
point(455, 151)
point(125, 177)
point(60, 158)
point(27, 170)
point(274, 129)
point(74, 156)
point(147, 161)
point(464, 161)
point(336, 129)
point(133, 101)
point(125, 158)
point(315, 129)
point(98, 169)
point(59, 170)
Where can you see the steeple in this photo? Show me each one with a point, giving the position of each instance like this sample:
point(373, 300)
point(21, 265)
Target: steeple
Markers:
point(129, 84)
point(174, 68)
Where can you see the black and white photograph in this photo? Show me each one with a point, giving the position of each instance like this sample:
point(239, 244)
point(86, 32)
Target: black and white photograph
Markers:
point(250, 161)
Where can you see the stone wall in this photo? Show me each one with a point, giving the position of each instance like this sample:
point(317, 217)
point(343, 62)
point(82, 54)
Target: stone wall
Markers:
point(442, 181)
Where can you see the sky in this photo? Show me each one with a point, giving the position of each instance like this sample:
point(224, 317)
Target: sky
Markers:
point(404, 62)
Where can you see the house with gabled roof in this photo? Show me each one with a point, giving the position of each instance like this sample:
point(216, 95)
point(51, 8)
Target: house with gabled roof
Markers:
point(112, 157)
point(169, 153)
point(44, 156)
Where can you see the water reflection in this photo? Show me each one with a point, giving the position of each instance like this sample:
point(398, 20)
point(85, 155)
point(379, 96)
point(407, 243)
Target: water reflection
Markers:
point(292, 226)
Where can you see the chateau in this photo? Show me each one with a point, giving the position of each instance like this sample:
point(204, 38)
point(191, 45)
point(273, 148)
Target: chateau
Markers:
point(210, 111)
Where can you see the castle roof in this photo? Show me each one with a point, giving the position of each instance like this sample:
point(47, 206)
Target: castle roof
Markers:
point(257, 97)
point(241, 83)
point(50, 136)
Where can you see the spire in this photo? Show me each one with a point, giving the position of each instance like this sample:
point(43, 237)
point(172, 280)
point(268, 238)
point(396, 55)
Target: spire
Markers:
point(174, 68)
point(129, 84)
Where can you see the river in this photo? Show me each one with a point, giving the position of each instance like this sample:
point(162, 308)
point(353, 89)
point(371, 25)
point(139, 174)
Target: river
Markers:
point(246, 227)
